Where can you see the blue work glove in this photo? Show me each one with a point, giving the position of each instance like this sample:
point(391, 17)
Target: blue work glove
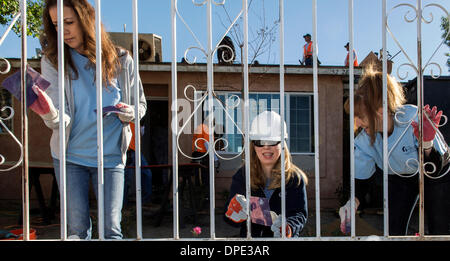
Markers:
point(5, 234)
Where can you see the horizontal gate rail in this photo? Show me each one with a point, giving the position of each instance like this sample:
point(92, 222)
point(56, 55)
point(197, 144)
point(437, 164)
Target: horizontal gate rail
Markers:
point(209, 97)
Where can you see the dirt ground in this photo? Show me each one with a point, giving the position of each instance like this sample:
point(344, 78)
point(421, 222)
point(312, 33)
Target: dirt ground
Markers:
point(369, 222)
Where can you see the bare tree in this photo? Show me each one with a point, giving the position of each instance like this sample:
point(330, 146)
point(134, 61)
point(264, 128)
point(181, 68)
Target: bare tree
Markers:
point(262, 34)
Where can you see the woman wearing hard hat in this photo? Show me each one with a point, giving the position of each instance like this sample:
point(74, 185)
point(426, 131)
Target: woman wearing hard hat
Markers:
point(403, 180)
point(265, 179)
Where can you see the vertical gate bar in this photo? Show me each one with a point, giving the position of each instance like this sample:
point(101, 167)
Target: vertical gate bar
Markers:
point(245, 120)
point(210, 84)
point(25, 176)
point(99, 83)
point(316, 120)
point(420, 112)
point(351, 85)
point(385, 126)
point(352, 148)
point(176, 233)
point(137, 134)
point(283, 171)
point(62, 129)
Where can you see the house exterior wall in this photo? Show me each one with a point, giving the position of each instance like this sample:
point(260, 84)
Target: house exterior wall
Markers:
point(157, 85)
point(331, 90)
point(39, 149)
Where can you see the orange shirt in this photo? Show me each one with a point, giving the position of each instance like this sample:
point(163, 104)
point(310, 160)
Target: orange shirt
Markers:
point(355, 59)
point(200, 132)
point(133, 142)
point(307, 49)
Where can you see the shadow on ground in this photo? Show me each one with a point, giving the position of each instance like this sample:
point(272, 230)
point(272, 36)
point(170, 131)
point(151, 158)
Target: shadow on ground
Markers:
point(369, 222)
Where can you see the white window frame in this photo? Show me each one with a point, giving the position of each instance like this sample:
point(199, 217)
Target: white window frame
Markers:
point(198, 94)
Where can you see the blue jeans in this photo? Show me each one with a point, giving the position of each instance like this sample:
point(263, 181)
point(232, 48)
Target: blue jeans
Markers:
point(77, 196)
point(309, 61)
point(130, 181)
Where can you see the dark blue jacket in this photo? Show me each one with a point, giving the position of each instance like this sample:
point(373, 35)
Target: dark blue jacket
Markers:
point(296, 205)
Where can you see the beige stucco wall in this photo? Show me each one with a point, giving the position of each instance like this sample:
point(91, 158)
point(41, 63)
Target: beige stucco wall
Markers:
point(330, 124)
point(157, 83)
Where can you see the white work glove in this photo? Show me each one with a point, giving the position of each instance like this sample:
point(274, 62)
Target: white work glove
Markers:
point(74, 237)
point(345, 214)
point(276, 227)
point(236, 209)
point(127, 112)
point(43, 105)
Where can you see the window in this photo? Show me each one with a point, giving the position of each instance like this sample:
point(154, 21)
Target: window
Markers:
point(228, 118)
point(300, 125)
point(5, 100)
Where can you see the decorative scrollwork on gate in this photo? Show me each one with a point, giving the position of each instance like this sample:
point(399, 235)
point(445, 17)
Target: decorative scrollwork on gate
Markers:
point(205, 96)
point(2, 158)
point(419, 17)
point(10, 109)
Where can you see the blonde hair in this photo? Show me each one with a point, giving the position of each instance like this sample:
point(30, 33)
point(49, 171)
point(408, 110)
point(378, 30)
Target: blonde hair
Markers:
point(258, 179)
point(368, 97)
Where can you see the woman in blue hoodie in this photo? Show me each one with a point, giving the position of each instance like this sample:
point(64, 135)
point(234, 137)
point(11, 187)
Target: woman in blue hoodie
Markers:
point(80, 115)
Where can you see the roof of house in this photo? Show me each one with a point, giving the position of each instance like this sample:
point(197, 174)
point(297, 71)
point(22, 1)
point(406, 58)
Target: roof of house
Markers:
point(234, 68)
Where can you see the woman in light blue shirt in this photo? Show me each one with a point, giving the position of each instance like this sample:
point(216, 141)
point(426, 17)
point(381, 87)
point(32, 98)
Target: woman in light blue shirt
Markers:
point(81, 116)
point(403, 186)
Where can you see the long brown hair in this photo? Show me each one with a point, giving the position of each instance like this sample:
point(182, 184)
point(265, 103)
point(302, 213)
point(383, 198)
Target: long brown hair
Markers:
point(86, 16)
point(368, 97)
point(258, 179)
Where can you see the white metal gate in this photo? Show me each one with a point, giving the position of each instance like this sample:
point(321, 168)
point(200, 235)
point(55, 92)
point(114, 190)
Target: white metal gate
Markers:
point(209, 50)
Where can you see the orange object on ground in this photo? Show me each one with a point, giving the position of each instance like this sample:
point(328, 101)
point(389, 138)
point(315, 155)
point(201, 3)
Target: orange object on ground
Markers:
point(19, 232)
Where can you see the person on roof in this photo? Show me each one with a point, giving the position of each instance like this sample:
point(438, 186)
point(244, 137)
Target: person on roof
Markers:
point(347, 58)
point(308, 50)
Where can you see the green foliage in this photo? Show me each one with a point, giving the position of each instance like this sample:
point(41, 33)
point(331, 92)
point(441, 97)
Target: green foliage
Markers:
point(9, 8)
point(445, 28)
point(446, 35)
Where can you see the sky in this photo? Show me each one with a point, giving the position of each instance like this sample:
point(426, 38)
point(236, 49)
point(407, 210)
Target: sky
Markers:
point(332, 29)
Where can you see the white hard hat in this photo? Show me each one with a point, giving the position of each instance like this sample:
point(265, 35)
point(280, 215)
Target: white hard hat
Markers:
point(267, 126)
